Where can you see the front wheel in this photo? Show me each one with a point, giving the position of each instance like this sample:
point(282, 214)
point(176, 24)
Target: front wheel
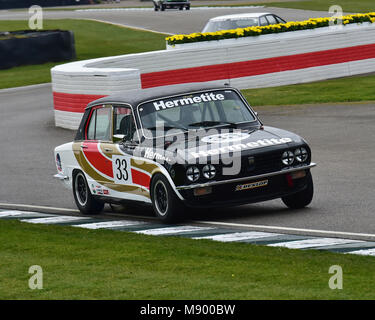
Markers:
point(162, 8)
point(167, 207)
point(303, 198)
point(82, 196)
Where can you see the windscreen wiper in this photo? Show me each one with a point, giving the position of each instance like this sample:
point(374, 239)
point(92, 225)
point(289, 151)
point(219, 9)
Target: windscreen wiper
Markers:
point(213, 123)
point(168, 127)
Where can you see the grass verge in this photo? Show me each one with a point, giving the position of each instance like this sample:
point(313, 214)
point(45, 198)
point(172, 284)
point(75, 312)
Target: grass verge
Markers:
point(93, 40)
point(323, 5)
point(351, 89)
point(104, 264)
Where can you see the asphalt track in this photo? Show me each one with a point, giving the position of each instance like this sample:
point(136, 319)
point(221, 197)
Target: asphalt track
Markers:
point(169, 21)
point(341, 136)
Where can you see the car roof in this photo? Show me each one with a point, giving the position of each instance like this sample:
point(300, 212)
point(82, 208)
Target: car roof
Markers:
point(239, 16)
point(137, 96)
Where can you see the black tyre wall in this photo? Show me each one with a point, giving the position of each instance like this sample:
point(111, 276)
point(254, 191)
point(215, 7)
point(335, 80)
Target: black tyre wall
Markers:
point(35, 47)
point(9, 4)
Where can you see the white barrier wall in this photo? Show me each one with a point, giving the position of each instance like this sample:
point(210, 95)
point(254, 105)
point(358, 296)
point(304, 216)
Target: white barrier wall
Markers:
point(252, 62)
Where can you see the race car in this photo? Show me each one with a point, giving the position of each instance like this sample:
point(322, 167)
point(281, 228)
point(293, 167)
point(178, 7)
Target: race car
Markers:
point(171, 4)
point(181, 147)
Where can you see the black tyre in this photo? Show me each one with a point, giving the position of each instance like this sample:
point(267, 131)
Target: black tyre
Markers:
point(188, 8)
point(155, 8)
point(181, 8)
point(162, 8)
point(303, 198)
point(82, 196)
point(167, 206)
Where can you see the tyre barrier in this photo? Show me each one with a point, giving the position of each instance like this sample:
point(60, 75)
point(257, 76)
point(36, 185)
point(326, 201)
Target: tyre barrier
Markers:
point(28, 47)
point(263, 61)
point(12, 4)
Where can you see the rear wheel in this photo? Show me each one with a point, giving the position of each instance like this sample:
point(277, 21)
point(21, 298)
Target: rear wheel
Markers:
point(188, 8)
point(167, 207)
point(181, 8)
point(82, 196)
point(162, 8)
point(303, 198)
point(155, 8)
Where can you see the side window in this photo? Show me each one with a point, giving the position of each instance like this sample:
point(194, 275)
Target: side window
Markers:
point(124, 123)
point(263, 21)
point(99, 127)
point(279, 20)
point(271, 19)
point(91, 128)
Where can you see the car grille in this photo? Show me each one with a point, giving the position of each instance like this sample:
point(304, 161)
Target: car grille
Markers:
point(265, 163)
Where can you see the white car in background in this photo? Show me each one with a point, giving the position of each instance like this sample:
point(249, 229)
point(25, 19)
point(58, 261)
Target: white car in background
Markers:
point(242, 20)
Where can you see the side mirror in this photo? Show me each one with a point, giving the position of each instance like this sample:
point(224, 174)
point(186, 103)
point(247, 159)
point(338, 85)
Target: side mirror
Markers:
point(118, 137)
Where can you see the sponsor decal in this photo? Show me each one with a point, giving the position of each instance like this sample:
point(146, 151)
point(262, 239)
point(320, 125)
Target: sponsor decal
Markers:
point(99, 190)
point(226, 137)
point(251, 185)
point(188, 100)
point(150, 154)
point(240, 147)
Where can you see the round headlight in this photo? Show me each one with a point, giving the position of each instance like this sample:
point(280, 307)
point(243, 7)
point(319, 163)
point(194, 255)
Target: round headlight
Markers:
point(301, 154)
point(209, 171)
point(193, 174)
point(287, 158)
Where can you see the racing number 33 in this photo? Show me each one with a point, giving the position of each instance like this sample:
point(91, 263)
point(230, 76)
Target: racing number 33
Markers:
point(121, 169)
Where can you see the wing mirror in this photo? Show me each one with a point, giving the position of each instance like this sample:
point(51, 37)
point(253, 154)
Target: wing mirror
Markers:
point(118, 137)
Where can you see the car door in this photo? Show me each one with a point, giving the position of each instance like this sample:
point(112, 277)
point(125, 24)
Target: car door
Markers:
point(96, 144)
point(131, 177)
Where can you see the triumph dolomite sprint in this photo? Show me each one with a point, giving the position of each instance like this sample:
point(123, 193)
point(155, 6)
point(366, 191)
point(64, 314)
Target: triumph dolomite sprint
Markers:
point(182, 147)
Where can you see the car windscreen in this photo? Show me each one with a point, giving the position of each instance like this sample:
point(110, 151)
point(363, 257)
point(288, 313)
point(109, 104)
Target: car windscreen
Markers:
point(213, 26)
point(193, 111)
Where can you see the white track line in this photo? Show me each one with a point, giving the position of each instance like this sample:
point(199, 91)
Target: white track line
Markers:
point(28, 206)
point(5, 214)
point(239, 236)
point(313, 243)
point(30, 87)
point(152, 9)
point(279, 229)
point(172, 230)
point(57, 219)
point(364, 252)
point(217, 223)
point(108, 224)
point(128, 26)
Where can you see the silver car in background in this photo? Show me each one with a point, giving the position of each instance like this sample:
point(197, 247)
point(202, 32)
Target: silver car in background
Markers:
point(243, 20)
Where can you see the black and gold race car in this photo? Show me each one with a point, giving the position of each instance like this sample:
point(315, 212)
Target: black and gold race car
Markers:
point(181, 147)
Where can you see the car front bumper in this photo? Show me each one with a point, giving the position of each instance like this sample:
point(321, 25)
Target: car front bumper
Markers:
point(223, 193)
